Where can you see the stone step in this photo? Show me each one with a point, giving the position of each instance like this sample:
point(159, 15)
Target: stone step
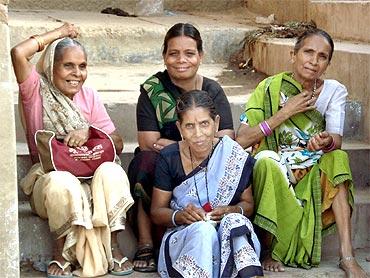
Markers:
point(35, 241)
point(129, 6)
point(343, 19)
point(119, 90)
point(358, 154)
point(350, 65)
point(114, 40)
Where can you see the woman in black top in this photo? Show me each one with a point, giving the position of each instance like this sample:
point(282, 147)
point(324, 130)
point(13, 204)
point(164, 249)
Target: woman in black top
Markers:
point(156, 122)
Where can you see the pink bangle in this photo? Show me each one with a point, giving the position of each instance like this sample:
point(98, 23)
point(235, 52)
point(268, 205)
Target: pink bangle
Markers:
point(331, 147)
point(265, 128)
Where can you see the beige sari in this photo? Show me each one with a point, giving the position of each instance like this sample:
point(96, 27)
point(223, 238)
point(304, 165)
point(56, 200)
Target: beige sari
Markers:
point(85, 212)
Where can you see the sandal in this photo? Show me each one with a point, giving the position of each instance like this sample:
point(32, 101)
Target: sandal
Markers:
point(120, 263)
point(146, 254)
point(62, 267)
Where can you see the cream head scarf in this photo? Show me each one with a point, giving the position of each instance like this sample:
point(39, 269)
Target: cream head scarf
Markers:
point(60, 114)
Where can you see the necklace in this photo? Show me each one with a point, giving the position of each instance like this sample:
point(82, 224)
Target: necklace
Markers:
point(314, 89)
point(207, 206)
point(314, 86)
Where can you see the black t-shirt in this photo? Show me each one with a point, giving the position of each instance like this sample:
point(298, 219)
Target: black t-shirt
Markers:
point(147, 120)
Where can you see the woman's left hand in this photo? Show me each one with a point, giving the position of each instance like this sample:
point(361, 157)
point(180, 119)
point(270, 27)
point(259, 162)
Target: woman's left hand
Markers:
point(319, 141)
point(219, 212)
point(76, 138)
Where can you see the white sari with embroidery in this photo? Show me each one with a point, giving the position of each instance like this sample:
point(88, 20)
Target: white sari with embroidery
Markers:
point(201, 250)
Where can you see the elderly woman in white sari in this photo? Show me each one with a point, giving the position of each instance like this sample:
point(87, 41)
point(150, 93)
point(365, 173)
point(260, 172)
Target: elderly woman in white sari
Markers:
point(84, 215)
point(202, 195)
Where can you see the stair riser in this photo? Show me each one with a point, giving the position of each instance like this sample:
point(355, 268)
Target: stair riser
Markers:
point(343, 20)
point(36, 243)
point(124, 117)
point(118, 46)
point(35, 240)
point(346, 20)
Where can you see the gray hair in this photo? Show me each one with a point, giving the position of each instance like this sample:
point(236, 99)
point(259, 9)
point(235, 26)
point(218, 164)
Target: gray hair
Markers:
point(65, 43)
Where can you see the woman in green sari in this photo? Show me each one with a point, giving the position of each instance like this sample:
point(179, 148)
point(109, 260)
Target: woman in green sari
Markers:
point(302, 182)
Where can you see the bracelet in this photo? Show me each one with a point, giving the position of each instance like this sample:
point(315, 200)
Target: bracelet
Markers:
point(331, 147)
point(173, 217)
point(241, 210)
point(265, 128)
point(40, 41)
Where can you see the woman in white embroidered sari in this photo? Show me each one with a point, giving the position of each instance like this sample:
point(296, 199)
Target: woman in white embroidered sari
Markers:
point(84, 216)
point(202, 195)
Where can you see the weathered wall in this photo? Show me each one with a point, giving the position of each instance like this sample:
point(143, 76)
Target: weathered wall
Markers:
point(9, 246)
point(346, 20)
point(202, 5)
point(284, 10)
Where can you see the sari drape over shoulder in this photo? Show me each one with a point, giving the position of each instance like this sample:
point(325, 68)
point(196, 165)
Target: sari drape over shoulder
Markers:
point(293, 187)
point(85, 212)
point(200, 249)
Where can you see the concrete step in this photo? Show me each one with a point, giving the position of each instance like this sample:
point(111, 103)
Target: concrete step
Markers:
point(350, 65)
point(343, 19)
point(35, 241)
point(36, 244)
point(359, 154)
point(114, 40)
point(126, 5)
point(119, 90)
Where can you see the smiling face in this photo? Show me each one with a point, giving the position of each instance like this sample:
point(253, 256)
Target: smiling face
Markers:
point(311, 60)
point(70, 71)
point(182, 58)
point(198, 129)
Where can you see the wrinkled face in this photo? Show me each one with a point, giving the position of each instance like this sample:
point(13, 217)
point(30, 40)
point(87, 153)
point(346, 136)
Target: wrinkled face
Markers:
point(312, 59)
point(198, 129)
point(70, 71)
point(182, 58)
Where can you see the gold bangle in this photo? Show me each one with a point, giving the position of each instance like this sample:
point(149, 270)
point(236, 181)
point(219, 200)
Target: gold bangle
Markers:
point(40, 41)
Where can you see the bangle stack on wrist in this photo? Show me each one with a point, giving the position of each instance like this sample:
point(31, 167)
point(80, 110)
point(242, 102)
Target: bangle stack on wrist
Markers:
point(265, 128)
point(40, 41)
point(331, 147)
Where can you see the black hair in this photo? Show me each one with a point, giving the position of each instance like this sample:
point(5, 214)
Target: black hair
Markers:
point(63, 44)
point(183, 29)
point(193, 99)
point(312, 32)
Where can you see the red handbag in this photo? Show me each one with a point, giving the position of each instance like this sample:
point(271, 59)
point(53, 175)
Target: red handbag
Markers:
point(80, 161)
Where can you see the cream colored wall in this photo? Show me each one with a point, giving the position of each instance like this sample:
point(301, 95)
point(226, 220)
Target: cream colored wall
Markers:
point(9, 245)
point(284, 10)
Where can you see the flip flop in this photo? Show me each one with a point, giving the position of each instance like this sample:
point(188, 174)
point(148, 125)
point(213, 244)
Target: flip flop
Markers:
point(62, 267)
point(120, 263)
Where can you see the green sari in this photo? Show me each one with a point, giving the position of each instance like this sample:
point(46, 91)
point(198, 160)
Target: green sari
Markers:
point(291, 210)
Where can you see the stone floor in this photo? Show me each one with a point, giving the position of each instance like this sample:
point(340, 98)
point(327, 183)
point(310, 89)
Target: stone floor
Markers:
point(328, 269)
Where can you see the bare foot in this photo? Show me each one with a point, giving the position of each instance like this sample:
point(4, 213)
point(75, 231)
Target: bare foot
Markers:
point(352, 268)
point(269, 264)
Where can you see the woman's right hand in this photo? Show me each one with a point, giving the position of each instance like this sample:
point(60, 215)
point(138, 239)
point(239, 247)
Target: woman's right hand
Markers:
point(68, 30)
point(190, 214)
point(299, 103)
